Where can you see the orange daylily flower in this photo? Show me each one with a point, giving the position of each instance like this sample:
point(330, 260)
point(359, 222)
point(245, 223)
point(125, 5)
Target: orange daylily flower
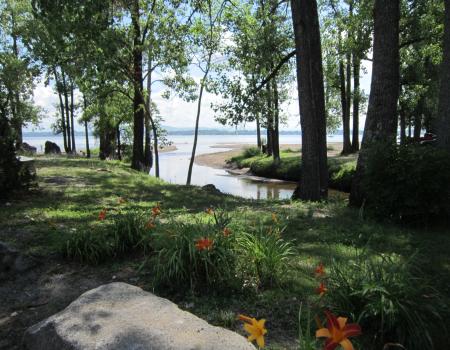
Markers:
point(204, 243)
point(156, 210)
point(338, 332)
point(320, 270)
point(226, 232)
point(321, 290)
point(255, 329)
point(150, 224)
point(102, 215)
point(209, 211)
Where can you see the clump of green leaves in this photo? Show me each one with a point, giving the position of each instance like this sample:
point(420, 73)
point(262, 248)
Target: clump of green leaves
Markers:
point(181, 259)
point(91, 246)
point(266, 254)
point(408, 183)
point(389, 297)
point(251, 152)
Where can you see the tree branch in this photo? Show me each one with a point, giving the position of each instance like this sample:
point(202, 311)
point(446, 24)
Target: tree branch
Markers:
point(272, 74)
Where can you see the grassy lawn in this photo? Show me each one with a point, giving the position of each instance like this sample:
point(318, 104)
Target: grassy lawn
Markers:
point(72, 192)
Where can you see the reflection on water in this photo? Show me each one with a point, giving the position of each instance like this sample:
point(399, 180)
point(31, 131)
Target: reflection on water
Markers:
point(174, 165)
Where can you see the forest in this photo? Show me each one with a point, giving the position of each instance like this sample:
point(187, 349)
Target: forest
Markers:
point(351, 239)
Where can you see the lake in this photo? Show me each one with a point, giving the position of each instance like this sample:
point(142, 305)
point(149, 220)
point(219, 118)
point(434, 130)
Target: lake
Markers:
point(174, 165)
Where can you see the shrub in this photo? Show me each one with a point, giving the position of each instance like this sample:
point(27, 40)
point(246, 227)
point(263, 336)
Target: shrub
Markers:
point(251, 152)
point(389, 297)
point(408, 183)
point(265, 255)
point(341, 176)
point(129, 231)
point(184, 256)
point(91, 246)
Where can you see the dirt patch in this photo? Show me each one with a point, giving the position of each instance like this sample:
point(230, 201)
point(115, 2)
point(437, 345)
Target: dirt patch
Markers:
point(46, 289)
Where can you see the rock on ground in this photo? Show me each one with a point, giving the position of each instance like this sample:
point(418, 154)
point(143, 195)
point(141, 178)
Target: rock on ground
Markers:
point(119, 316)
point(51, 148)
point(12, 262)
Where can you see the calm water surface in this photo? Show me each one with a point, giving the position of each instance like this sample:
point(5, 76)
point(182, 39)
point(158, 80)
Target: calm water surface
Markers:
point(174, 165)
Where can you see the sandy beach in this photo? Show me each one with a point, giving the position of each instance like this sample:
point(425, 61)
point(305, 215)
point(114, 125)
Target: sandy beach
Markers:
point(218, 160)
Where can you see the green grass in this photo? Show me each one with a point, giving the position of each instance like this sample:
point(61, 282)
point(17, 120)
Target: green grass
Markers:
point(72, 191)
point(341, 168)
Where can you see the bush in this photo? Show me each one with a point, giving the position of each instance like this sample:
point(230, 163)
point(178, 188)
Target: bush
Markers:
point(408, 183)
point(129, 231)
point(265, 255)
point(251, 152)
point(389, 297)
point(91, 246)
point(341, 176)
point(125, 233)
point(184, 257)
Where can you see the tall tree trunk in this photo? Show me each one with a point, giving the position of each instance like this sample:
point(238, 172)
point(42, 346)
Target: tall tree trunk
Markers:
point(72, 107)
point(347, 148)
point(442, 125)
point(119, 145)
point(417, 126)
point(17, 121)
point(137, 159)
point(197, 119)
point(356, 99)
point(314, 179)
point(86, 130)
point(66, 104)
point(276, 133)
point(61, 106)
point(345, 109)
point(86, 133)
point(402, 127)
point(381, 120)
point(155, 146)
point(147, 145)
point(269, 148)
point(258, 132)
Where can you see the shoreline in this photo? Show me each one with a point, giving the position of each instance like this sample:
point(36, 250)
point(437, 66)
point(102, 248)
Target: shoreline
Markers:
point(218, 160)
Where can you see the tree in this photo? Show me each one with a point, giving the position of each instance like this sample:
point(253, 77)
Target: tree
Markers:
point(443, 120)
point(381, 120)
point(314, 179)
point(206, 37)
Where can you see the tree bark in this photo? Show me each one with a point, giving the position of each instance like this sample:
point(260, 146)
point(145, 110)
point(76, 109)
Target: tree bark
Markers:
point(356, 100)
point(417, 126)
point(269, 121)
point(61, 106)
point(74, 149)
point(137, 159)
point(347, 147)
point(276, 114)
point(314, 179)
point(442, 125)
point(119, 145)
point(147, 146)
point(66, 104)
point(258, 133)
point(86, 131)
point(381, 120)
point(402, 127)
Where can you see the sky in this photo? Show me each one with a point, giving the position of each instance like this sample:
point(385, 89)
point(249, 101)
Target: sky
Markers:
point(181, 114)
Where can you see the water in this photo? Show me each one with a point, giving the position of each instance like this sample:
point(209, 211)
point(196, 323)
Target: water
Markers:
point(174, 165)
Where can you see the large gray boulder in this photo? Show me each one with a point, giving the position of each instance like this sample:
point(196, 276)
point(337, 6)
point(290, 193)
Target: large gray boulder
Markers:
point(120, 316)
